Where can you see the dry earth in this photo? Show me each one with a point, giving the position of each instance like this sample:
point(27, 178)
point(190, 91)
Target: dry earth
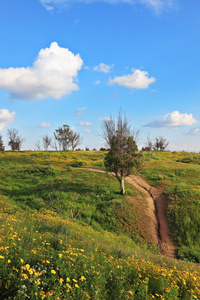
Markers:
point(157, 229)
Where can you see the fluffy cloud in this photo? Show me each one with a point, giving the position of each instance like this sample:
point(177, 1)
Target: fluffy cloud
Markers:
point(157, 5)
point(103, 68)
point(85, 123)
point(137, 80)
point(174, 119)
point(44, 124)
point(80, 111)
point(51, 75)
point(6, 118)
point(194, 131)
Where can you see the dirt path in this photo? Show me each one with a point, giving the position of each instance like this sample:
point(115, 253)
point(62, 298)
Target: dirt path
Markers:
point(157, 212)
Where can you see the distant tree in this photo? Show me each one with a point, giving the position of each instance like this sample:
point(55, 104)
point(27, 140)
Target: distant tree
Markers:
point(62, 135)
point(160, 144)
point(15, 141)
point(67, 138)
point(123, 157)
point(149, 145)
point(46, 141)
point(75, 139)
point(2, 148)
point(54, 145)
point(103, 149)
point(37, 144)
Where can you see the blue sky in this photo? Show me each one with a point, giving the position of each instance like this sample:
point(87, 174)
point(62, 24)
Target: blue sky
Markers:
point(78, 62)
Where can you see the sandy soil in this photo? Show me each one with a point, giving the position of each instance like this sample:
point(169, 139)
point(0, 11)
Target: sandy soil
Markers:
point(158, 229)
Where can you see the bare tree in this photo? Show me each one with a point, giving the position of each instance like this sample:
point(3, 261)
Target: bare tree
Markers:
point(75, 139)
point(54, 145)
point(15, 141)
point(37, 144)
point(149, 145)
point(160, 143)
point(123, 157)
point(46, 141)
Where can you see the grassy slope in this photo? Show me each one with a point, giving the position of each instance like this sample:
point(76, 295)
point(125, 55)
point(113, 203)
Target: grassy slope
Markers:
point(43, 253)
point(180, 174)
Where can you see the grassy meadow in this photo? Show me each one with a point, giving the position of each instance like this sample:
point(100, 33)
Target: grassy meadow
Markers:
point(67, 233)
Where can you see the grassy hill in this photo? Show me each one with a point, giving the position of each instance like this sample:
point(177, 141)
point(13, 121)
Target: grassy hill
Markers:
point(67, 233)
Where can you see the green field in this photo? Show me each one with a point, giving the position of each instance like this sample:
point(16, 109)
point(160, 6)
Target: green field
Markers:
point(67, 233)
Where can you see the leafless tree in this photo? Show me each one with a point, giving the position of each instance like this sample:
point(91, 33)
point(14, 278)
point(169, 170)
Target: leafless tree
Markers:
point(54, 145)
point(75, 139)
point(46, 141)
point(149, 145)
point(37, 144)
point(15, 141)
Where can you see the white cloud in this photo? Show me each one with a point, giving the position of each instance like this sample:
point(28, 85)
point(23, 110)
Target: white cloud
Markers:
point(51, 75)
point(194, 131)
point(44, 124)
point(104, 119)
point(174, 119)
point(157, 6)
point(6, 118)
point(103, 68)
point(137, 80)
point(85, 123)
point(80, 111)
point(87, 130)
point(97, 82)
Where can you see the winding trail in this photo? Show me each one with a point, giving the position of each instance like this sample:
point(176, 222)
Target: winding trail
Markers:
point(157, 212)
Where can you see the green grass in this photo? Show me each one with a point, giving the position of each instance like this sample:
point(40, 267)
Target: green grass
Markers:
point(88, 244)
point(179, 173)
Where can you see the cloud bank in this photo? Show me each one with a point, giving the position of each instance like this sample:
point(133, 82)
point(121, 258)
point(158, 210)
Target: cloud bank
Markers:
point(174, 119)
point(6, 118)
point(51, 75)
point(137, 80)
point(158, 6)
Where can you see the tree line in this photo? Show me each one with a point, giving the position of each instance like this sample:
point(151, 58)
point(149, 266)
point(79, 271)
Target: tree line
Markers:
point(64, 139)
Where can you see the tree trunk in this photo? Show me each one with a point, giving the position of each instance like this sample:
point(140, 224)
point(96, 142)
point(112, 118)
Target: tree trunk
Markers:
point(122, 186)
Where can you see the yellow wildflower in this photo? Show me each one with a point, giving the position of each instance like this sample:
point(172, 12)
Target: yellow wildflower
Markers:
point(82, 278)
point(61, 280)
point(53, 271)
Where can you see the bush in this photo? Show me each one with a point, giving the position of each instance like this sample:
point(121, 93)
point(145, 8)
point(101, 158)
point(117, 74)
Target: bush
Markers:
point(78, 164)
